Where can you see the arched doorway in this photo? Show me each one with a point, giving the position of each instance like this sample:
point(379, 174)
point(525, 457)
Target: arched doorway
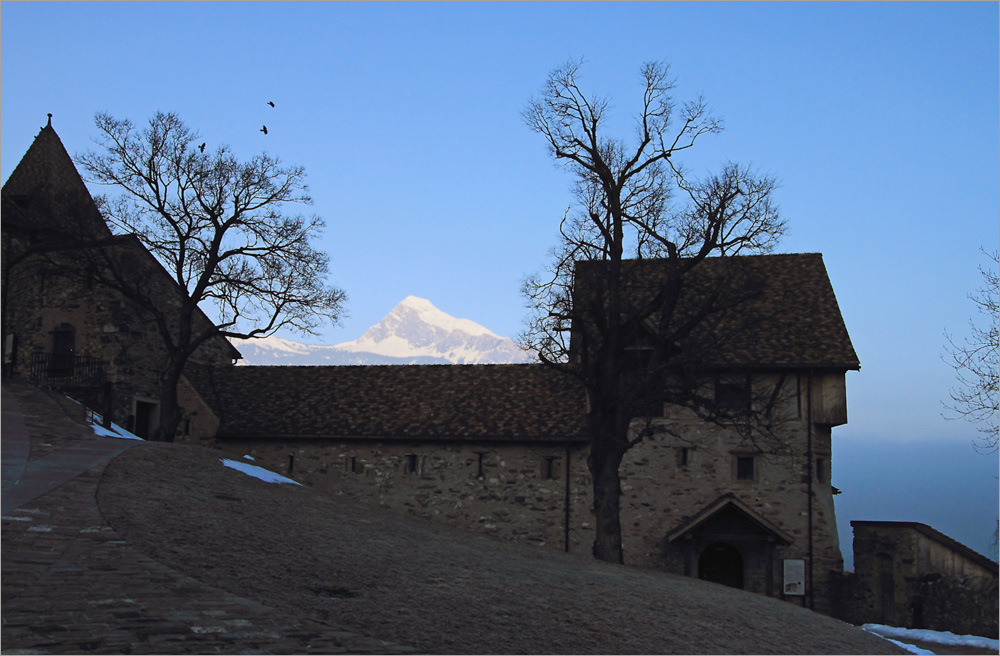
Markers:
point(721, 563)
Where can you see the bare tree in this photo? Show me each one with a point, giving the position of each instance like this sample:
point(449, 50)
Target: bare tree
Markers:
point(218, 227)
point(594, 304)
point(976, 361)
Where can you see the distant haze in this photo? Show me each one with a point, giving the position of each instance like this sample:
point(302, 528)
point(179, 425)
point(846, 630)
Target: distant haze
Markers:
point(414, 332)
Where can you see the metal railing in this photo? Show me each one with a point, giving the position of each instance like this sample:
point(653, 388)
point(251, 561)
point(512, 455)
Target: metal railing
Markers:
point(66, 369)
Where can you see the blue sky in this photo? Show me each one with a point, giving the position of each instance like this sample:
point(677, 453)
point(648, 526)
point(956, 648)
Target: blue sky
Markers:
point(879, 119)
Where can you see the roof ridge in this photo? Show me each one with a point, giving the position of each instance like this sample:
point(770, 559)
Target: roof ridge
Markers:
point(437, 365)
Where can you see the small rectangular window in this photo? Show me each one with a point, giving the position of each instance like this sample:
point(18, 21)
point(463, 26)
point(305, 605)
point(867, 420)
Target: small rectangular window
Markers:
point(744, 468)
point(821, 470)
point(798, 397)
point(550, 468)
point(412, 464)
point(351, 464)
point(683, 456)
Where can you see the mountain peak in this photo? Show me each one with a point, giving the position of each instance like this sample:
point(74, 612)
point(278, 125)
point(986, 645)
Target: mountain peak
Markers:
point(417, 303)
point(415, 331)
point(415, 308)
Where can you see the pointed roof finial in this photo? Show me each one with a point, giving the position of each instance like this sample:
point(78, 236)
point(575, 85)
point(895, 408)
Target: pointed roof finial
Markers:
point(50, 120)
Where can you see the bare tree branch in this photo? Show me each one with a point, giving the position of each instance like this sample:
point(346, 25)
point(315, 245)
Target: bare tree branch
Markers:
point(219, 228)
point(625, 209)
point(976, 361)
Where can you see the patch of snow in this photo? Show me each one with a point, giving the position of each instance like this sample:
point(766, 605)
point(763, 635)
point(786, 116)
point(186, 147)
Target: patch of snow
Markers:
point(248, 457)
point(926, 635)
point(115, 430)
point(272, 343)
point(257, 472)
point(96, 420)
point(391, 345)
point(913, 649)
point(435, 317)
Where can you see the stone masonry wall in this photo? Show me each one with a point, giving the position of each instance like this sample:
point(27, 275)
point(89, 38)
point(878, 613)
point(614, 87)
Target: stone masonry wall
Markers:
point(106, 326)
point(962, 604)
point(661, 492)
point(504, 489)
point(516, 492)
point(904, 578)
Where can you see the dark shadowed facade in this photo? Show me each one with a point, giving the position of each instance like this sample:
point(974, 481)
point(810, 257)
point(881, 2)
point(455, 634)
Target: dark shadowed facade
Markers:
point(60, 328)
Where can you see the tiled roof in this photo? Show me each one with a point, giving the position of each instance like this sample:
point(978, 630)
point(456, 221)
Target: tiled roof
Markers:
point(453, 402)
point(794, 320)
point(49, 194)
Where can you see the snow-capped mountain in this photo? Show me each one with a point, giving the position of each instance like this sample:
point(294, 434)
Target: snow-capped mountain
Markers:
point(415, 332)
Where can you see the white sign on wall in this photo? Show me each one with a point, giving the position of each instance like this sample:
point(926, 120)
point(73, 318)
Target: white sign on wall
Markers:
point(795, 577)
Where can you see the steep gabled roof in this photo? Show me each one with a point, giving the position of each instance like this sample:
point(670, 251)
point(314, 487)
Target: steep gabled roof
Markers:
point(729, 503)
point(45, 194)
point(439, 402)
point(791, 319)
point(46, 198)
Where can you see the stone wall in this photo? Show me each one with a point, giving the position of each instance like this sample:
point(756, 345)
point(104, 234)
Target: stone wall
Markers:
point(966, 605)
point(518, 490)
point(43, 294)
point(910, 576)
point(41, 299)
point(690, 463)
point(200, 422)
point(513, 491)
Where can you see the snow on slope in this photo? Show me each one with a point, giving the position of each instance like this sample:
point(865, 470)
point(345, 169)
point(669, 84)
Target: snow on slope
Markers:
point(414, 332)
point(900, 636)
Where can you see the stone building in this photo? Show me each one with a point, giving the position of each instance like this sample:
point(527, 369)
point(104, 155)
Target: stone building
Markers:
point(61, 328)
point(504, 447)
point(908, 574)
point(501, 448)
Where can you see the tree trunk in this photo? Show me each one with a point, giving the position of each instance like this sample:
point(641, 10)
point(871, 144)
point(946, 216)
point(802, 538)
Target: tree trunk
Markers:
point(170, 417)
point(170, 410)
point(604, 460)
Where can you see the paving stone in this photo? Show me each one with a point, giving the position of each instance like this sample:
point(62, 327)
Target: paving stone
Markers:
point(70, 584)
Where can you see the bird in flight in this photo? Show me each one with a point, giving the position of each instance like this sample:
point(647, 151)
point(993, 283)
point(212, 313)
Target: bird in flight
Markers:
point(202, 147)
point(270, 103)
point(264, 129)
